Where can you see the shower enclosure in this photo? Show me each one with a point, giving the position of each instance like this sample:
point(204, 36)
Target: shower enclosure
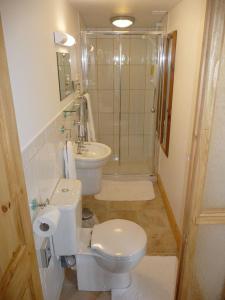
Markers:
point(120, 71)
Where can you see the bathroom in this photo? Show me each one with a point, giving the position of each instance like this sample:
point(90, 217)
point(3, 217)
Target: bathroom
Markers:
point(161, 176)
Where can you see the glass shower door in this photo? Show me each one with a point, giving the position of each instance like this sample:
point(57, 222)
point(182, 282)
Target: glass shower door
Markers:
point(121, 77)
point(136, 116)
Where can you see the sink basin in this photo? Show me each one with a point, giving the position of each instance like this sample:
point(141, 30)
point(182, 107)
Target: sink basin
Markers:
point(93, 150)
point(93, 155)
point(89, 166)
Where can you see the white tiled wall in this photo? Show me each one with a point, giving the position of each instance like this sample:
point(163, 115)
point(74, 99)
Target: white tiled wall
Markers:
point(43, 167)
point(43, 158)
point(132, 83)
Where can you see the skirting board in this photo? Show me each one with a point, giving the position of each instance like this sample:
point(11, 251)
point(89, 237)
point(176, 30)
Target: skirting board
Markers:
point(169, 211)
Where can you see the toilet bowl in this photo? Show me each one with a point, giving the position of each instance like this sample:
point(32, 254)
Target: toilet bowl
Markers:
point(106, 253)
point(106, 258)
point(114, 243)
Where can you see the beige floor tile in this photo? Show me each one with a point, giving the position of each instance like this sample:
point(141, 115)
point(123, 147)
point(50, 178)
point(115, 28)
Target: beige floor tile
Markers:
point(129, 167)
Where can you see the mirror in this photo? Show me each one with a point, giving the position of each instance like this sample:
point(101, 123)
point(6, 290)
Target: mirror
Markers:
point(64, 75)
point(169, 50)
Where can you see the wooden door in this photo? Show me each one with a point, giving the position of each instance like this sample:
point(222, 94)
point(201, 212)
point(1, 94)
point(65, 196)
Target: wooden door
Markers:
point(202, 264)
point(19, 276)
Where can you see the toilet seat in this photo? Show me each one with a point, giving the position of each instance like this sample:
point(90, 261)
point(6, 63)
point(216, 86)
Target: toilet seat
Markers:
point(119, 239)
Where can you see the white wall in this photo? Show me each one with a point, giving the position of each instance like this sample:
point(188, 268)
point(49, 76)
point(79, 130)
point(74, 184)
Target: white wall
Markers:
point(187, 18)
point(43, 166)
point(28, 28)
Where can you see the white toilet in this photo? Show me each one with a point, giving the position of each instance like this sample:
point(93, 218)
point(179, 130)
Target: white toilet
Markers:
point(104, 254)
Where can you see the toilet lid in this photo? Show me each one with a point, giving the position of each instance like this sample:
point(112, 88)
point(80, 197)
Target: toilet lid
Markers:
point(120, 238)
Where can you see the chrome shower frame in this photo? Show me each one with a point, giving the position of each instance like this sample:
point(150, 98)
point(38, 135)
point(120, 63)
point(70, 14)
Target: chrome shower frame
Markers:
point(157, 91)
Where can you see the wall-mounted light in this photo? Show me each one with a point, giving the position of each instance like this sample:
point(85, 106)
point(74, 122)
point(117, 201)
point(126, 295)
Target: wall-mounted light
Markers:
point(64, 39)
point(122, 22)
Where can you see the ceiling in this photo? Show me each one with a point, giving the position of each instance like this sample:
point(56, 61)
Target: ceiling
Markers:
point(97, 13)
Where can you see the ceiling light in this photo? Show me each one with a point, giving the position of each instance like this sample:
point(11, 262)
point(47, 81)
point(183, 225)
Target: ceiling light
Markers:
point(64, 39)
point(122, 22)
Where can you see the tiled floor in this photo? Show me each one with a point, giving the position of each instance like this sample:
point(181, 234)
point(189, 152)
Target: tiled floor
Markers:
point(151, 215)
point(130, 167)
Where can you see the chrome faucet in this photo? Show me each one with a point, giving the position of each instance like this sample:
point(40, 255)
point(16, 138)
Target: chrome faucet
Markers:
point(80, 138)
point(79, 146)
point(81, 135)
point(83, 116)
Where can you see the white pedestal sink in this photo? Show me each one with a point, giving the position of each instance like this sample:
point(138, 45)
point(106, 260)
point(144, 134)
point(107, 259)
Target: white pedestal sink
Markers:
point(89, 166)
